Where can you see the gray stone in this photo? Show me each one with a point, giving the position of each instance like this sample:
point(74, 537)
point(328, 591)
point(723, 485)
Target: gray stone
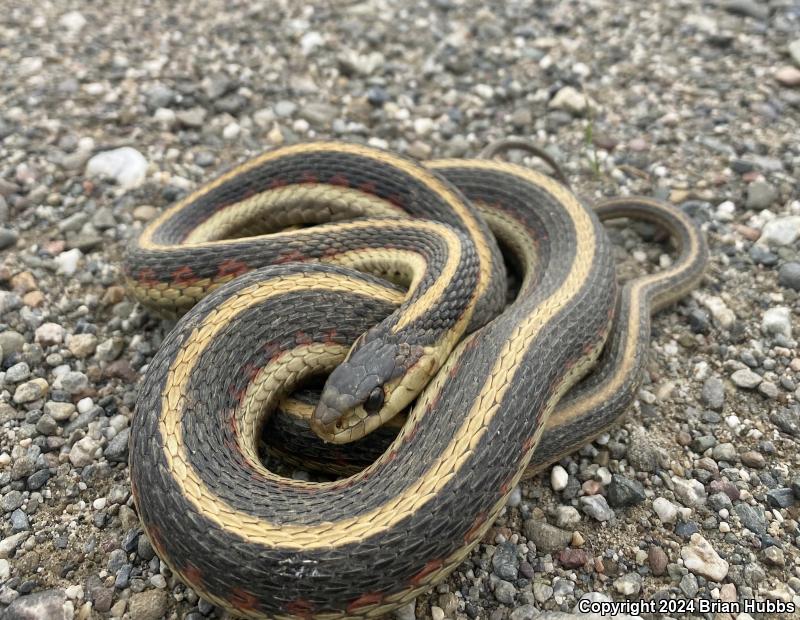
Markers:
point(318, 114)
point(724, 452)
point(148, 605)
point(160, 96)
point(117, 449)
point(752, 518)
point(689, 586)
point(525, 612)
point(505, 562)
point(44, 605)
point(9, 302)
point(546, 537)
point(406, 612)
point(780, 498)
point(596, 507)
point(19, 521)
point(789, 275)
point(794, 51)
point(11, 501)
point(746, 378)
point(713, 394)
point(8, 238)
point(760, 195)
point(73, 381)
point(11, 342)
point(505, 592)
point(780, 231)
point(285, 108)
point(18, 372)
point(193, 117)
point(787, 421)
point(624, 492)
point(748, 8)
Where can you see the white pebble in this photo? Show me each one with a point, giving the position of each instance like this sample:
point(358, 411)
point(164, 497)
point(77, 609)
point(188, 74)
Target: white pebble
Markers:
point(777, 321)
point(665, 509)
point(125, 165)
point(85, 404)
point(99, 503)
point(558, 478)
point(67, 262)
point(231, 131)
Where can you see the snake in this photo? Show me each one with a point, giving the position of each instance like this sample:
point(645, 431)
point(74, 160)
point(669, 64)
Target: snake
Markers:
point(382, 281)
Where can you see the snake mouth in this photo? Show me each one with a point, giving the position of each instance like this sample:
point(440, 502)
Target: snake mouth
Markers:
point(326, 421)
point(331, 416)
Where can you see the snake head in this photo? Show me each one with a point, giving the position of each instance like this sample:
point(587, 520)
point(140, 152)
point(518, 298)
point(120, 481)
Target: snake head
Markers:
point(378, 380)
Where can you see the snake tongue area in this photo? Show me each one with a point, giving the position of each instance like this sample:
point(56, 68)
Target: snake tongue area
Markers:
point(264, 546)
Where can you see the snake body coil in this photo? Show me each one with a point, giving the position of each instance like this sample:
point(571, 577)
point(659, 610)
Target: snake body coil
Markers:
point(287, 306)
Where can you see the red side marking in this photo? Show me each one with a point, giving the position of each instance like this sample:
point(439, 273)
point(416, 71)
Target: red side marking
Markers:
point(272, 350)
point(454, 370)
point(231, 266)
point(309, 177)
point(231, 420)
point(276, 183)
point(192, 575)
point(370, 598)
point(340, 180)
point(368, 187)
point(251, 370)
point(434, 402)
point(295, 256)
point(412, 433)
point(429, 568)
point(147, 277)
point(184, 275)
point(397, 201)
point(236, 394)
point(330, 337)
point(300, 608)
point(506, 486)
point(302, 338)
point(472, 533)
point(243, 600)
point(528, 444)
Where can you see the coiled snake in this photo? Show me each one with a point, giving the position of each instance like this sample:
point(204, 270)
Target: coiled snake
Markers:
point(286, 261)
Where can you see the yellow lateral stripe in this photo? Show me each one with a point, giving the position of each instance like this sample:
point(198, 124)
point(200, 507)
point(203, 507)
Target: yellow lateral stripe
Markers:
point(322, 195)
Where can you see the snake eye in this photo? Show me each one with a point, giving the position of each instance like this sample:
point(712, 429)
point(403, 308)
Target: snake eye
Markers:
point(374, 401)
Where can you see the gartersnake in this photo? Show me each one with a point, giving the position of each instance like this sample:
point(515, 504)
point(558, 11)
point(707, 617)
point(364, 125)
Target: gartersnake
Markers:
point(263, 545)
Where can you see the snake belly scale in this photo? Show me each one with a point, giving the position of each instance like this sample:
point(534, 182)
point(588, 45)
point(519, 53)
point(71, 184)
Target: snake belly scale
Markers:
point(277, 308)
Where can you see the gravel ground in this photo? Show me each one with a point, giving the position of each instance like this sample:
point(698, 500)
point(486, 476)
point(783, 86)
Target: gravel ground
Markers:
point(110, 111)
